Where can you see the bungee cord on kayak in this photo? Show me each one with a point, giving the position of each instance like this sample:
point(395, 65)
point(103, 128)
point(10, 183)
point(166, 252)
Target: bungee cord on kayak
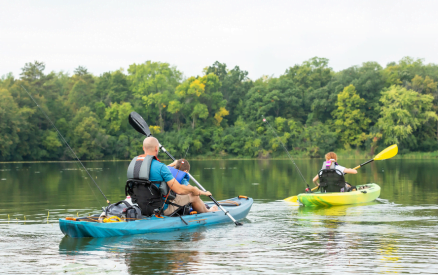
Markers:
point(47, 117)
point(284, 147)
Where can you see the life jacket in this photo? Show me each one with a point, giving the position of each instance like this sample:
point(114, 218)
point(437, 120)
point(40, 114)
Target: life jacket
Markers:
point(149, 195)
point(178, 174)
point(330, 178)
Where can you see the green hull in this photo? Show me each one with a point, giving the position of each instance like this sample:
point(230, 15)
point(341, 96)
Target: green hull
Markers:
point(340, 198)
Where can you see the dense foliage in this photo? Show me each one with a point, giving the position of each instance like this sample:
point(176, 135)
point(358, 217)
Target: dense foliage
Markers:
point(312, 108)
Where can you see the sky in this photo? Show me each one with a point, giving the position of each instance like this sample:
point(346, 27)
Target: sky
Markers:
point(261, 37)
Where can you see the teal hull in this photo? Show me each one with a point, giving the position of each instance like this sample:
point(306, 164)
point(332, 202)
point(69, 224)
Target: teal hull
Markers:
point(81, 229)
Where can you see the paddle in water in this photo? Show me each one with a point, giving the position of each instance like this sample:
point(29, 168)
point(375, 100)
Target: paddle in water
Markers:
point(142, 127)
point(388, 153)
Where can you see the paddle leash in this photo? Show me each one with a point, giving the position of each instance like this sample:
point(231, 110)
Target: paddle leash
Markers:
point(59, 133)
point(284, 147)
point(140, 125)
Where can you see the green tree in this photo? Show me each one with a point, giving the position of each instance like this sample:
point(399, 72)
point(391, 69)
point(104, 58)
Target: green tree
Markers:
point(235, 85)
point(154, 83)
point(89, 140)
point(308, 77)
point(273, 97)
point(117, 115)
point(202, 99)
point(350, 119)
point(113, 87)
point(403, 111)
point(318, 138)
point(82, 91)
point(10, 121)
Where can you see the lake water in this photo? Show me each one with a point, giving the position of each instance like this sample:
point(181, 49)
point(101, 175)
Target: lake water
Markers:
point(396, 234)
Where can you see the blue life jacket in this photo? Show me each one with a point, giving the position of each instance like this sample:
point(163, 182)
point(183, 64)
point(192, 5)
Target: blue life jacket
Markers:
point(178, 174)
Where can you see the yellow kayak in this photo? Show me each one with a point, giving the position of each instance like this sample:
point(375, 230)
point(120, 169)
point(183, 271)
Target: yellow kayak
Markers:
point(370, 193)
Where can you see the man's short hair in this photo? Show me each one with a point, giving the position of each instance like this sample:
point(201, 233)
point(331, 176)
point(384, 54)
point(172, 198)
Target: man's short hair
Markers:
point(182, 164)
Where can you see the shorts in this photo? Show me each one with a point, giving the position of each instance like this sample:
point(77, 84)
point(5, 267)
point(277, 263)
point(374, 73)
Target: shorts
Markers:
point(180, 200)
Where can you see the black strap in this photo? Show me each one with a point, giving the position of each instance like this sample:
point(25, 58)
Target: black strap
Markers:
point(125, 202)
point(188, 224)
point(130, 183)
point(176, 211)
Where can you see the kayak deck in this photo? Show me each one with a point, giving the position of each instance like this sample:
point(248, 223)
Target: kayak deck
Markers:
point(79, 229)
point(341, 198)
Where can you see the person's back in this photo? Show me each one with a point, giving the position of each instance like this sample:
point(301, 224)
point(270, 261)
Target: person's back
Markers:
point(146, 184)
point(331, 175)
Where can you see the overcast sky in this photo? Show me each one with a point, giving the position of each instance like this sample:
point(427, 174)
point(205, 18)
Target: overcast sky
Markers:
point(262, 37)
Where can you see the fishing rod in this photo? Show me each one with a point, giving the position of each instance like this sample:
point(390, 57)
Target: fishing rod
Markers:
point(65, 142)
point(186, 152)
point(284, 147)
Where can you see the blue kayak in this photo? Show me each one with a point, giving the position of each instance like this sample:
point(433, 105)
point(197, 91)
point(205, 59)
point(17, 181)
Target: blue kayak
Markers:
point(237, 207)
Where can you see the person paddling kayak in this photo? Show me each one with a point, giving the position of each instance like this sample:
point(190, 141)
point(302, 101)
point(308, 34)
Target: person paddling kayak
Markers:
point(158, 198)
point(331, 175)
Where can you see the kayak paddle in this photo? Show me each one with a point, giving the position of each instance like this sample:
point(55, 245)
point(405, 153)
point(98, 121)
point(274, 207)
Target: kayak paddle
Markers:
point(142, 127)
point(388, 153)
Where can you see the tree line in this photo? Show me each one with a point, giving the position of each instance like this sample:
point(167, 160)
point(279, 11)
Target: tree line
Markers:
point(312, 108)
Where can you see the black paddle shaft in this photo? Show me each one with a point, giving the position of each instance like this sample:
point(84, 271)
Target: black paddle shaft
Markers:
point(140, 125)
point(366, 162)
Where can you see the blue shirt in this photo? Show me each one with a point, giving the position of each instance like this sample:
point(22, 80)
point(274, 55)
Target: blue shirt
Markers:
point(159, 172)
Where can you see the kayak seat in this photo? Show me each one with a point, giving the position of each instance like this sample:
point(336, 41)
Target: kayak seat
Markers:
point(331, 180)
point(146, 194)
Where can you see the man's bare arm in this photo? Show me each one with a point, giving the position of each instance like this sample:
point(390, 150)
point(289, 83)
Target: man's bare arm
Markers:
point(184, 190)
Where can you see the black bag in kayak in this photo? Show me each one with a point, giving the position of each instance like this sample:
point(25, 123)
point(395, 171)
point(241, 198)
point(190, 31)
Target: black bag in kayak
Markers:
point(123, 209)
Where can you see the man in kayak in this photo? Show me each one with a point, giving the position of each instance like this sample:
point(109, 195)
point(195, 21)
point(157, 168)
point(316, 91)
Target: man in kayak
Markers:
point(331, 163)
point(159, 172)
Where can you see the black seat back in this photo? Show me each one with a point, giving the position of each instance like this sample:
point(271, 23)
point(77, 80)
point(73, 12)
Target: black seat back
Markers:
point(331, 180)
point(146, 194)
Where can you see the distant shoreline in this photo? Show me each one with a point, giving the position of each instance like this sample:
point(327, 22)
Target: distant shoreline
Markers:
point(341, 155)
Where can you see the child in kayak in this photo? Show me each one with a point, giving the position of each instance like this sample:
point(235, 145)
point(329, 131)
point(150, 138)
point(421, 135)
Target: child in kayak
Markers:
point(331, 157)
point(179, 169)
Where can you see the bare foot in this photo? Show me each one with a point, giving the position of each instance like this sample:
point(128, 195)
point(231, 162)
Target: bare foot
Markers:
point(213, 209)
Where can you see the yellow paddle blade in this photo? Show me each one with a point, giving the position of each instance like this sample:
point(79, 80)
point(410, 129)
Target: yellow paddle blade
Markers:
point(292, 199)
point(387, 153)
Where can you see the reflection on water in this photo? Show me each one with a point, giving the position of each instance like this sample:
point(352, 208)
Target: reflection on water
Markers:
point(395, 234)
